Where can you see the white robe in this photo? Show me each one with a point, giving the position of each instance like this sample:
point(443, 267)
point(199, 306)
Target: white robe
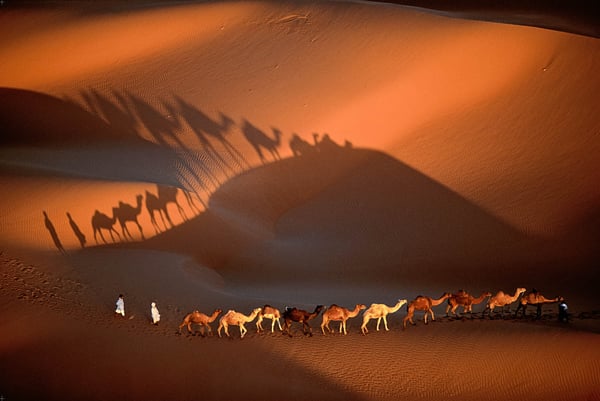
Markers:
point(155, 314)
point(120, 307)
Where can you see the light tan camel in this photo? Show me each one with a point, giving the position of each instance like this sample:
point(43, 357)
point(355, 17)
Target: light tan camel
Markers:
point(100, 222)
point(340, 314)
point(125, 212)
point(535, 298)
point(199, 318)
point(425, 304)
point(502, 299)
point(379, 312)
point(233, 318)
point(466, 300)
point(268, 312)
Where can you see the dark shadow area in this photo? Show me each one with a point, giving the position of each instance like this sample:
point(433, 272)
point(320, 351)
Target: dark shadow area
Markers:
point(579, 16)
point(78, 233)
point(259, 141)
point(53, 233)
point(101, 221)
point(342, 211)
point(126, 213)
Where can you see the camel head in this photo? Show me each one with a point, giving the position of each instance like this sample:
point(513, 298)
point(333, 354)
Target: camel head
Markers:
point(402, 302)
point(520, 291)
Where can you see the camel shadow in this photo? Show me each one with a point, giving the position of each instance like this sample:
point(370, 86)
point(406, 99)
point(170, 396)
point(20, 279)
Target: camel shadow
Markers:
point(259, 141)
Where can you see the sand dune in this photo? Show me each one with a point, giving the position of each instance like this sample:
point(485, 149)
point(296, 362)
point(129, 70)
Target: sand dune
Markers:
point(314, 153)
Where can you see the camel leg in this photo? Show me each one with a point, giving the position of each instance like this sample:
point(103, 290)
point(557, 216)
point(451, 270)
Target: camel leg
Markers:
point(259, 324)
point(385, 323)
point(140, 228)
point(307, 329)
point(273, 325)
point(242, 331)
point(378, 322)
point(344, 326)
point(363, 328)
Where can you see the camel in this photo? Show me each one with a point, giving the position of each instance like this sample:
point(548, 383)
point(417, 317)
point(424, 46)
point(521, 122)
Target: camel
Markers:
point(199, 318)
point(233, 318)
point(379, 312)
point(425, 304)
point(100, 222)
point(341, 314)
point(502, 299)
point(270, 313)
point(466, 300)
point(125, 212)
point(259, 140)
point(301, 316)
point(534, 298)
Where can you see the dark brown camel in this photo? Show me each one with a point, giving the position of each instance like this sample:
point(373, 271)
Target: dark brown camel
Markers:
point(100, 222)
point(301, 316)
point(125, 212)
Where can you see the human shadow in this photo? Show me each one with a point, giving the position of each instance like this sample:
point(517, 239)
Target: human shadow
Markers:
point(53, 233)
point(80, 235)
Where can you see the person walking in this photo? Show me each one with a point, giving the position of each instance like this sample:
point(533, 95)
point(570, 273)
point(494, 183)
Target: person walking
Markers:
point(155, 314)
point(120, 306)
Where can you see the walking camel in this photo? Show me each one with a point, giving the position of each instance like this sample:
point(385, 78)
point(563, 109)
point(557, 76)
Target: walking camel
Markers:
point(466, 300)
point(425, 304)
point(502, 300)
point(379, 312)
point(100, 222)
point(535, 298)
point(268, 312)
point(301, 316)
point(200, 318)
point(125, 212)
point(341, 314)
point(233, 318)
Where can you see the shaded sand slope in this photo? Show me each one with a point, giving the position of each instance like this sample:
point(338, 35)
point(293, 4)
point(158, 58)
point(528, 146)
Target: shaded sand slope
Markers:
point(341, 211)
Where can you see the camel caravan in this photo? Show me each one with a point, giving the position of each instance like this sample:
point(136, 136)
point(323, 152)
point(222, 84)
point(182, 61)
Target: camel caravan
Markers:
point(335, 313)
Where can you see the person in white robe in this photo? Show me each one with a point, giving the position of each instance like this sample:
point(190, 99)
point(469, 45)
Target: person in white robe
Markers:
point(120, 306)
point(155, 314)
